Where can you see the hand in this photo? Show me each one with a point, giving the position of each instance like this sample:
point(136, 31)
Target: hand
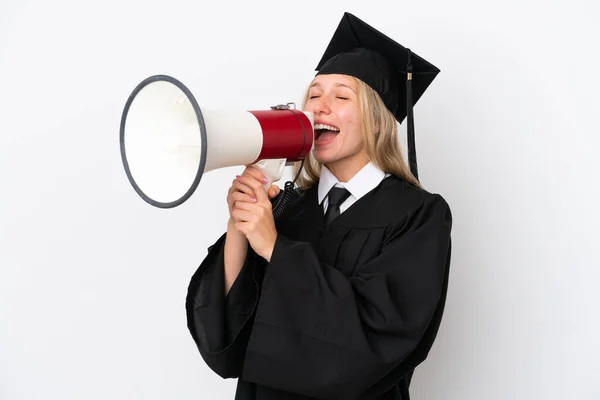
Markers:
point(241, 192)
point(252, 213)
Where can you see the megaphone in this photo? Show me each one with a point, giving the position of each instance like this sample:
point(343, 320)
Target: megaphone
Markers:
point(168, 141)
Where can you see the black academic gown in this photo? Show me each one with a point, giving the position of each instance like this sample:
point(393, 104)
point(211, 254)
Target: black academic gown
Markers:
point(345, 311)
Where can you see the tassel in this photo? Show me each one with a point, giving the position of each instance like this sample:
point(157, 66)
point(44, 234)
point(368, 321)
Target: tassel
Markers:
point(410, 121)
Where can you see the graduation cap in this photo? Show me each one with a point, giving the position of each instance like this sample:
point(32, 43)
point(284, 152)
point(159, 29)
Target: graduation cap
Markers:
point(397, 74)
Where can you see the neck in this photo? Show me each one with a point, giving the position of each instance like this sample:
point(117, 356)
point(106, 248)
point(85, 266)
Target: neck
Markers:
point(345, 169)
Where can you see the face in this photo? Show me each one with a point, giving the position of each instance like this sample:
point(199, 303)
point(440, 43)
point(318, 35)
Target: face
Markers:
point(333, 100)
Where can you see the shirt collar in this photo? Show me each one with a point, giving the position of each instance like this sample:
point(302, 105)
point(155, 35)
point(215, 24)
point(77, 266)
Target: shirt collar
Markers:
point(360, 184)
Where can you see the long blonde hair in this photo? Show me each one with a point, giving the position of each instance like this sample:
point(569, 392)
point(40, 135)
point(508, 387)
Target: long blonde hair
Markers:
point(380, 135)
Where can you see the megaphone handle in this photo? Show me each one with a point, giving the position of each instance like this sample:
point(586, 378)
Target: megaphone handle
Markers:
point(272, 170)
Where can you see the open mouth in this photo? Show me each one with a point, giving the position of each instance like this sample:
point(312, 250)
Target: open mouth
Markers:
point(325, 132)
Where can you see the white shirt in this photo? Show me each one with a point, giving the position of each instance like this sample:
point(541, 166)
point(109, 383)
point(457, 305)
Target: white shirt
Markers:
point(362, 183)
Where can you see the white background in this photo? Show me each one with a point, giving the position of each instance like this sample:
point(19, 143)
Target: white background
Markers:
point(93, 280)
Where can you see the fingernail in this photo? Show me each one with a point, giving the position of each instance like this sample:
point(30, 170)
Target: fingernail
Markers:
point(238, 176)
point(264, 180)
point(253, 199)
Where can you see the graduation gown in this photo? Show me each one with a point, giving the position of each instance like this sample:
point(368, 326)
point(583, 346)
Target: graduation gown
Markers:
point(345, 311)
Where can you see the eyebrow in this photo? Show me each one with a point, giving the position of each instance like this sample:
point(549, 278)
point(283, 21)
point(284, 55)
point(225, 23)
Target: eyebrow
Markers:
point(337, 85)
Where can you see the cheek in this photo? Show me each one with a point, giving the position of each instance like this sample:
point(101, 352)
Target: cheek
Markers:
point(309, 106)
point(345, 116)
point(350, 120)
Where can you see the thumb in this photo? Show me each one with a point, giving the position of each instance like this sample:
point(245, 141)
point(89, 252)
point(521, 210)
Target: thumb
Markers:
point(274, 191)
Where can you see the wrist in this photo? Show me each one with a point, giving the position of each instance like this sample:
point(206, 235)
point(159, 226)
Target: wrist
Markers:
point(233, 231)
point(268, 252)
point(231, 225)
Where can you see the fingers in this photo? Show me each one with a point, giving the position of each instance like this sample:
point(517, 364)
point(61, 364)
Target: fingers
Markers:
point(255, 185)
point(242, 197)
point(274, 190)
point(257, 204)
point(248, 189)
point(241, 215)
point(253, 172)
point(241, 186)
point(237, 198)
point(255, 209)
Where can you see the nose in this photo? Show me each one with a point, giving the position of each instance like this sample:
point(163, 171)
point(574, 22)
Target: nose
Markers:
point(321, 105)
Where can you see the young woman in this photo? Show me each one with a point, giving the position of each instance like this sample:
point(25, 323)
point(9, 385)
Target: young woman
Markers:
point(343, 295)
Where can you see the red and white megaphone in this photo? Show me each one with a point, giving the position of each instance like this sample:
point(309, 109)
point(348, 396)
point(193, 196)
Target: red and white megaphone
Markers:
point(168, 142)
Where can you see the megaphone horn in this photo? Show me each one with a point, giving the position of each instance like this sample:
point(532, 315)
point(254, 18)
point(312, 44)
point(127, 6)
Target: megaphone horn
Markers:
point(168, 141)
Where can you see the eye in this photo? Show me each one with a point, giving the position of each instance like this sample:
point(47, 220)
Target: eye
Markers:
point(313, 97)
point(342, 98)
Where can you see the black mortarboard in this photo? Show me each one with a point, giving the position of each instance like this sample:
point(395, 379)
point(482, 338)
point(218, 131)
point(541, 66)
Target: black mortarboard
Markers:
point(397, 74)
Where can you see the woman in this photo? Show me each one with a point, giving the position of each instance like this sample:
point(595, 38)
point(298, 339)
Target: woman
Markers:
point(338, 298)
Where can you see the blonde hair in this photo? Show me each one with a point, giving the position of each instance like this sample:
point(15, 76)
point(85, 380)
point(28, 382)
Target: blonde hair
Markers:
point(380, 136)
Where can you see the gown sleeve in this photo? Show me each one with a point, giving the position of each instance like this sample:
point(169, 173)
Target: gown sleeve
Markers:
point(321, 334)
point(220, 325)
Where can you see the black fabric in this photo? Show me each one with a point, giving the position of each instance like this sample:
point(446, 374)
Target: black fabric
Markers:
point(344, 311)
point(357, 49)
point(336, 197)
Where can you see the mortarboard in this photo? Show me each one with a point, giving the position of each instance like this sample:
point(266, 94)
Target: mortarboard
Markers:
point(397, 74)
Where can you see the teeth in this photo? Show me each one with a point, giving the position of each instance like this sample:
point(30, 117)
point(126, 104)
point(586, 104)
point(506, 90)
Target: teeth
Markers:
point(328, 127)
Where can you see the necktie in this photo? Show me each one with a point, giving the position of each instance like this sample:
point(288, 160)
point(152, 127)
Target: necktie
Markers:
point(336, 197)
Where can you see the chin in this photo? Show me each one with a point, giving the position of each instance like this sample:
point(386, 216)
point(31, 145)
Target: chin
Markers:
point(324, 158)
point(347, 158)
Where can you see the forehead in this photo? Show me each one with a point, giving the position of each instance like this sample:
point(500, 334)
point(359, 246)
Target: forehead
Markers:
point(334, 80)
